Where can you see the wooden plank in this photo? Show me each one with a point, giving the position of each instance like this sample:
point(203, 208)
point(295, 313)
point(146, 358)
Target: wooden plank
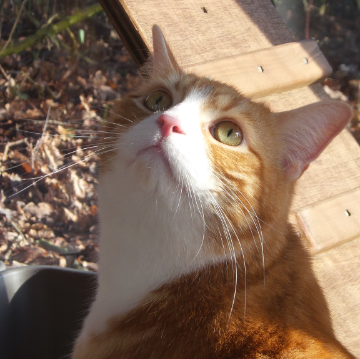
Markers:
point(336, 171)
point(289, 100)
point(264, 72)
point(330, 222)
point(233, 27)
point(338, 273)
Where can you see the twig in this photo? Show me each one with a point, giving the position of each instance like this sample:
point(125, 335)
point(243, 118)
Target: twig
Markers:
point(36, 149)
point(11, 144)
point(10, 244)
point(71, 34)
point(4, 73)
point(40, 195)
point(13, 29)
point(49, 22)
point(52, 122)
point(17, 229)
point(32, 19)
point(8, 251)
point(65, 251)
point(51, 30)
point(28, 78)
point(1, 19)
point(37, 86)
point(87, 59)
point(307, 21)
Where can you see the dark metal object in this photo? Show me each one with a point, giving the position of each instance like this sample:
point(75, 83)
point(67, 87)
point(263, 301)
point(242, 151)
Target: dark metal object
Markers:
point(41, 310)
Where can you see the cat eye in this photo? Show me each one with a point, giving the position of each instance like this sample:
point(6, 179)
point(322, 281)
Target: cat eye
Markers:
point(228, 133)
point(158, 100)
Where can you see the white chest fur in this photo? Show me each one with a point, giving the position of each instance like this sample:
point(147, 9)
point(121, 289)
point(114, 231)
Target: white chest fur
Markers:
point(152, 229)
point(142, 246)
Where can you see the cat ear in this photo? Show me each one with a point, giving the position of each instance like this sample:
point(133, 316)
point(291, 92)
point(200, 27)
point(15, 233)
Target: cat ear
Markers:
point(163, 58)
point(305, 132)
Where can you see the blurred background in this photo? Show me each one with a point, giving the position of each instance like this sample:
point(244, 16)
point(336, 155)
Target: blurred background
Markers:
point(61, 66)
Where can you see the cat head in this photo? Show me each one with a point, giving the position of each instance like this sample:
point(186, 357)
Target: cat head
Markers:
point(187, 137)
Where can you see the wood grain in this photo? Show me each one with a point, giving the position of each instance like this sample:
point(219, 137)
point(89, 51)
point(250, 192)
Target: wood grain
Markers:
point(332, 221)
point(336, 171)
point(227, 28)
point(264, 72)
point(338, 273)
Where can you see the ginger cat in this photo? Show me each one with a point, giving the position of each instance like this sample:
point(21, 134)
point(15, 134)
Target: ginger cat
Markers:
point(197, 258)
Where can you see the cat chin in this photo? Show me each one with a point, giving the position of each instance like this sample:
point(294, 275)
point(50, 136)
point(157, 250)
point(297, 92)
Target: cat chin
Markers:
point(156, 163)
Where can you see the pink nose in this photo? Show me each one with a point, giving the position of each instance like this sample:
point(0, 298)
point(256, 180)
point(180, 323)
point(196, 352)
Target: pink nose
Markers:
point(169, 124)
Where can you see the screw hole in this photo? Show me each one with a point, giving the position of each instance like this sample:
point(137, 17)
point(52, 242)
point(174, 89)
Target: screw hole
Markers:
point(204, 10)
point(347, 212)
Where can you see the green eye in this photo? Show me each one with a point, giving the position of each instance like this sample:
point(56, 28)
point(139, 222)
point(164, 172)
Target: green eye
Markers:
point(228, 133)
point(158, 100)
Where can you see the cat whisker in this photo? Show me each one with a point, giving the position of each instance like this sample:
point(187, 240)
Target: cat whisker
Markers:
point(58, 135)
point(178, 204)
point(40, 178)
point(56, 158)
point(227, 225)
point(194, 196)
point(252, 215)
point(204, 225)
point(237, 200)
point(228, 183)
point(16, 166)
point(113, 133)
point(114, 113)
point(74, 150)
point(188, 190)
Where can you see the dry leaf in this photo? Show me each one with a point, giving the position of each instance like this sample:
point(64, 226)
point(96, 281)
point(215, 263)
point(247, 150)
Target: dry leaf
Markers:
point(40, 211)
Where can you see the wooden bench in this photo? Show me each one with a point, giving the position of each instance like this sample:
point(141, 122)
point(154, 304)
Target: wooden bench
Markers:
point(245, 43)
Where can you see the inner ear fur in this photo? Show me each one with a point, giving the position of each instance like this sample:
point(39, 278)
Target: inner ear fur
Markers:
point(306, 131)
point(163, 58)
